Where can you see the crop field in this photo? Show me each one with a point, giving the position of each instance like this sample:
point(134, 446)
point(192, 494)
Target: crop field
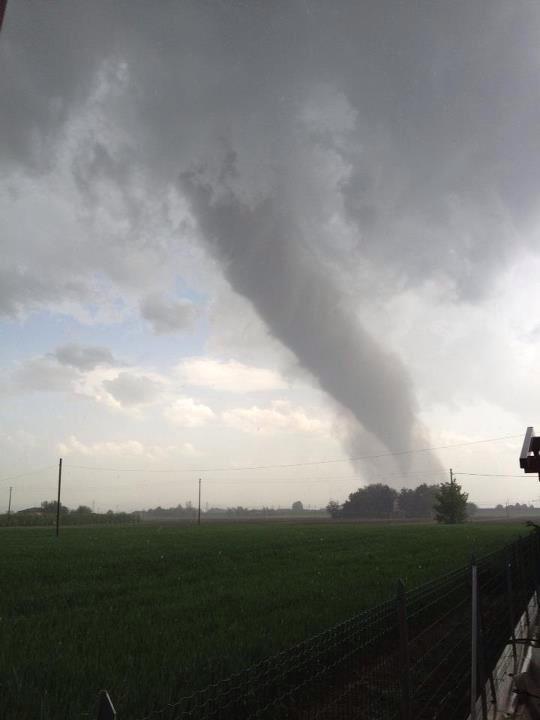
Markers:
point(151, 612)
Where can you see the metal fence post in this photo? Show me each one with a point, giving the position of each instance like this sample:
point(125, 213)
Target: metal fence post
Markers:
point(510, 596)
point(536, 562)
point(524, 583)
point(404, 659)
point(474, 637)
point(482, 661)
point(106, 709)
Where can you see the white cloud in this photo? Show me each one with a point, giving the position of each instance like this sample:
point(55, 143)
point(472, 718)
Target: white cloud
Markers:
point(73, 446)
point(124, 449)
point(188, 413)
point(167, 316)
point(229, 376)
point(18, 438)
point(281, 416)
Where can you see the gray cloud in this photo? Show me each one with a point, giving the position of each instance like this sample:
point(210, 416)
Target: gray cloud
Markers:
point(22, 290)
point(58, 76)
point(443, 172)
point(40, 374)
point(328, 138)
point(84, 357)
point(167, 316)
point(131, 390)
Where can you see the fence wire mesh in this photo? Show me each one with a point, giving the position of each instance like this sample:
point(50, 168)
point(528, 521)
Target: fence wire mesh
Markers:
point(409, 657)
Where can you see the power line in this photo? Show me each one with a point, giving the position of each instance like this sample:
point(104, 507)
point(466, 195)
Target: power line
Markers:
point(221, 482)
point(30, 472)
point(308, 479)
point(300, 464)
point(489, 475)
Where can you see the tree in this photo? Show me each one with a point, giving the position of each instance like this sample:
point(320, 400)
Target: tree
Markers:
point(333, 509)
point(451, 504)
point(472, 509)
point(298, 506)
point(375, 501)
point(49, 506)
point(418, 503)
point(83, 510)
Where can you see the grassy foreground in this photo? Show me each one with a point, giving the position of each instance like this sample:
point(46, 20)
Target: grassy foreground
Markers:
point(150, 613)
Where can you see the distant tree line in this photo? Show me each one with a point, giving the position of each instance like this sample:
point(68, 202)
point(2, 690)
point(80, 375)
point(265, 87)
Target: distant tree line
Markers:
point(178, 511)
point(189, 511)
point(445, 503)
point(297, 508)
point(45, 514)
point(516, 508)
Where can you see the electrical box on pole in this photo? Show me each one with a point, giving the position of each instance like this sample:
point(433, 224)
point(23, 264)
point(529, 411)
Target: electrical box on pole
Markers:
point(529, 460)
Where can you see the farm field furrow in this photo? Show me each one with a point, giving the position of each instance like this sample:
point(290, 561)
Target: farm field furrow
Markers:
point(153, 612)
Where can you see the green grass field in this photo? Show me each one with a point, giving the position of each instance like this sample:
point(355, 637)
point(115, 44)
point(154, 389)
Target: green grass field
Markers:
point(150, 613)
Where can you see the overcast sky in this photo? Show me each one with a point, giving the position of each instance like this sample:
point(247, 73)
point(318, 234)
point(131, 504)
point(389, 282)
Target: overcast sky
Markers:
point(239, 234)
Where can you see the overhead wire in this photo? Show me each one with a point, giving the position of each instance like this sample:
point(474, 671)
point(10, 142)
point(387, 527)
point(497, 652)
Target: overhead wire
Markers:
point(296, 480)
point(29, 472)
point(496, 475)
point(291, 465)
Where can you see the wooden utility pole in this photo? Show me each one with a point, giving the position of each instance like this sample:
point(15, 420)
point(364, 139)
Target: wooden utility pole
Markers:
point(451, 476)
point(9, 504)
point(199, 514)
point(58, 501)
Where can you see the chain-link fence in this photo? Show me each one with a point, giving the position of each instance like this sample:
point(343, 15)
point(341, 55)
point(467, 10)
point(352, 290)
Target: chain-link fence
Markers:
point(410, 657)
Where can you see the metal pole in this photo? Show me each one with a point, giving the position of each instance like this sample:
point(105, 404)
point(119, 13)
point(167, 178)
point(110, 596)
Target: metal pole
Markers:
point(536, 560)
point(474, 638)
point(106, 709)
point(482, 660)
point(510, 593)
point(58, 501)
point(9, 505)
point(523, 577)
point(404, 659)
point(199, 513)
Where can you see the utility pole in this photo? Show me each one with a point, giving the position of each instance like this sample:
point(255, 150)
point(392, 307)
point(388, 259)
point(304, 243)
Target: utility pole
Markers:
point(58, 501)
point(199, 513)
point(451, 477)
point(9, 505)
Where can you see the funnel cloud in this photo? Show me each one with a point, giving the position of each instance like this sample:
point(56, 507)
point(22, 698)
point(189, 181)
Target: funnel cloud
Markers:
point(265, 259)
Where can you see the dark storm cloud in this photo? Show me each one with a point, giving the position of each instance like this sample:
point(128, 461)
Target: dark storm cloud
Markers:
point(416, 124)
point(446, 96)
